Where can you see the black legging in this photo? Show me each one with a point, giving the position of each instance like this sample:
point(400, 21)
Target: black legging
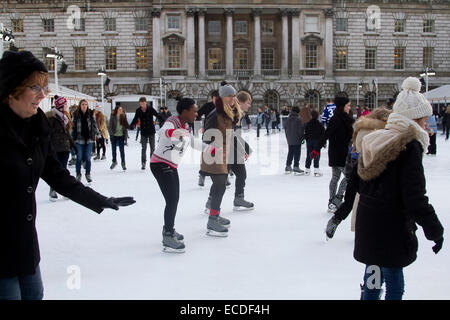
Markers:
point(217, 190)
point(169, 184)
point(241, 174)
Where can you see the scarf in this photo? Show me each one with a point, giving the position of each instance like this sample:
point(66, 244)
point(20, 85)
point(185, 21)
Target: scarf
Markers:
point(62, 116)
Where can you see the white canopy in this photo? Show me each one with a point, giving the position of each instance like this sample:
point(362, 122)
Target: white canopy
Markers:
point(439, 95)
point(72, 96)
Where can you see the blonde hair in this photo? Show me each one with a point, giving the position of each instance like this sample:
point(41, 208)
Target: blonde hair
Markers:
point(229, 109)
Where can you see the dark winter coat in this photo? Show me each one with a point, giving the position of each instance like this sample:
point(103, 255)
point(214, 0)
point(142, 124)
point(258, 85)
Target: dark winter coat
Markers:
point(205, 110)
point(339, 133)
point(294, 129)
point(60, 137)
point(77, 127)
point(30, 157)
point(146, 120)
point(392, 201)
point(113, 124)
point(314, 130)
point(164, 116)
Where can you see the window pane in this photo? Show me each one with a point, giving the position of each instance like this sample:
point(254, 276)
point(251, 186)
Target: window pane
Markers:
point(110, 24)
point(371, 54)
point(240, 27)
point(241, 58)
point(428, 54)
point(267, 26)
point(111, 58)
point(311, 56)
point(141, 58)
point(341, 24)
point(312, 24)
point(173, 22)
point(17, 25)
point(271, 99)
point(341, 57)
point(399, 58)
point(214, 27)
point(49, 25)
point(267, 58)
point(370, 100)
point(174, 56)
point(214, 59)
point(81, 24)
point(428, 26)
point(141, 24)
point(80, 58)
point(399, 25)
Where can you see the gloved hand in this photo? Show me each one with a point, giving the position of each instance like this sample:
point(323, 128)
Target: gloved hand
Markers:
point(115, 203)
point(313, 154)
point(438, 245)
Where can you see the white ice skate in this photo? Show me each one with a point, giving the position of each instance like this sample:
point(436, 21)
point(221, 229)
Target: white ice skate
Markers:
point(307, 171)
point(317, 172)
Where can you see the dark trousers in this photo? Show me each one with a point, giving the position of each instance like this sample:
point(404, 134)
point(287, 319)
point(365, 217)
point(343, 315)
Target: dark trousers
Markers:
point(118, 142)
point(217, 190)
point(169, 184)
point(432, 147)
point(395, 283)
point(101, 145)
point(27, 287)
point(258, 127)
point(144, 140)
point(294, 153)
point(267, 126)
point(447, 129)
point(241, 175)
point(137, 132)
point(310, 146)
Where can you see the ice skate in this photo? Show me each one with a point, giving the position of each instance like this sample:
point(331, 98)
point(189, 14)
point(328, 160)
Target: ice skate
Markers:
point(171, 243)
point(288, 170)
point(97, 157)
point(124, 167)
point(113, 165)
point(307, 171)
point(331, 227)
point(298, 171)
point(215, 228)
point(143, 166)
point(78, 176)
point(208, 206)
point(240, 204)
point(317, 172)
point(103, 157)
point(53, 196)
point(201, 180)
point(88, 178)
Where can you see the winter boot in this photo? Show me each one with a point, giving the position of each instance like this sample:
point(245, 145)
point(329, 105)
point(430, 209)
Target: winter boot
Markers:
point(201, 180)
point(317, 172)
point(171, 243)
point(307, 171)
point(331, 227)
point(124, 167)
point(113, 165)
point(240, 204)
point(288, 170)
point(88, 177)
point(53, 195)
point(79, 176)
point(298, 171)
point(215, 228)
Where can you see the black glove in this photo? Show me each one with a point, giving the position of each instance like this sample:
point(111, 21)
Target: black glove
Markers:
point(438, 246)
point(115, 203)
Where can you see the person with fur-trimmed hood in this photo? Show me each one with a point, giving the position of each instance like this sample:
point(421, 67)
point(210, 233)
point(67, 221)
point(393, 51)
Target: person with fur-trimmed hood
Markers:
point(392, 188)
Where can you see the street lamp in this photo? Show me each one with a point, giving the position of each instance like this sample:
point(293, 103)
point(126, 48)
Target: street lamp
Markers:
point(428, 72)
point(58, 56)
point(6, 36)
point(358, 86)
point(375, 84)
point(102, 73)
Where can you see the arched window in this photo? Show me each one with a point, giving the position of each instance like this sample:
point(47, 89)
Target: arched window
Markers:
point(370, 100)
point(312, 97)
point(272, 99)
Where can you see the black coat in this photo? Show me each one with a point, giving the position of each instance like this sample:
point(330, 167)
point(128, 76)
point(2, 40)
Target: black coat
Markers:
point(28, 156)
point(146, 120)
point(390, 205)
point(339, 133)
point(314, 130)
point(60, 137)
point(294, 129)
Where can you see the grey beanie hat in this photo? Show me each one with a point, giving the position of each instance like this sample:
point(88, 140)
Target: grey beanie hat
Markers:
point(227, 90)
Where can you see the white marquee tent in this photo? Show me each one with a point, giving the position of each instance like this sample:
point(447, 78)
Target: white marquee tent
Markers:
point(439, 95)
point(72, 96)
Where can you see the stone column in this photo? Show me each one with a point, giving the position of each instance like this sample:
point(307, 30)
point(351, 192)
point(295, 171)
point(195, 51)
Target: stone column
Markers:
point(257, 47)
point(296, 52)
point(201, 42)
point(156, 14)
point(229, 51)
point(284, 43)
point(190, 13)
point(328, 42)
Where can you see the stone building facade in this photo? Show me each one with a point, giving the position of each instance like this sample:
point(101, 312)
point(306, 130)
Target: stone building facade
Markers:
point(285, 52)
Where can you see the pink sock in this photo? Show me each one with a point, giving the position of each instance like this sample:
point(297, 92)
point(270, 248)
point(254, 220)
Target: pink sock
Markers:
point(213, 212)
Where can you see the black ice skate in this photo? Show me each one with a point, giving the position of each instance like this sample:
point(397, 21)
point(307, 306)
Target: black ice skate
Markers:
point(298, 171)
point(240, 204)
point(288, 170)
point(124, 167)
point(215, 228)
point(171, 242)
point(113, 165)
point(88, 178)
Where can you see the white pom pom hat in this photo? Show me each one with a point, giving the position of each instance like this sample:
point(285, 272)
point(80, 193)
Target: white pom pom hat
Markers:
point(410, 102)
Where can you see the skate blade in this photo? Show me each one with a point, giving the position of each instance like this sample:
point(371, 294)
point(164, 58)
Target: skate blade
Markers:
point(213, 233)
point(317, 175)
point(298, 174)
point(243, 209)
point(172, 250)
point(53, 199)
point(287, 172)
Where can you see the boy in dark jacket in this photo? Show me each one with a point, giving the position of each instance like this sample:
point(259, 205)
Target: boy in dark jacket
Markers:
point(294, 135)
point(314, 132)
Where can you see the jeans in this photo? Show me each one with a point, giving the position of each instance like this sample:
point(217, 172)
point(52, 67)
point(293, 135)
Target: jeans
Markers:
point(83, 154)
point(294, 153)
point(395, 284)
point(217, 190)
point(118, 142)
point(334, 182)
point(27, 287)
point(310, 146)
point(241, 174)
point(169, 184)
point(267, 126)
point(144, 140)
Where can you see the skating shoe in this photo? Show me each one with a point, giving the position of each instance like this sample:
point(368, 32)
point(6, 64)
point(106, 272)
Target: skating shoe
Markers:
point(103, 157)
point(79, 176)
point(317, 172)
point(215, 228)
point(113, 165)
point(97, 157)
point(331, 227)
point(288, 170)
point(124, 167)
point(143, 166)
point(240, 204)
point(298, 171)
point(223, 221)
point(53, 195)
point(88, 178)
point(201, 180)
point(307, 171)
point(171, 244)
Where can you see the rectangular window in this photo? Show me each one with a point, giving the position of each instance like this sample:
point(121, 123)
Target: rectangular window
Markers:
point(399, 58)
point(428, 57)
point(241, 58)
point(80, 58)
point(399, 25)
point(174, 56)
point(141, 58)
point(267, 58)
point(49, 25)
point(341, 58)
point(110, 24)
point(371, 57)
point(312, 24)
point(80, 25)
point(214, 27)
point(428, 26)
point(173, 22)
point(17, 25)
point(341, 24)
point(49, 62)
point(214, 59)
point(141, 24)
point(111, 58)
point(311, 57)
point(267, 26)
point(240, 27)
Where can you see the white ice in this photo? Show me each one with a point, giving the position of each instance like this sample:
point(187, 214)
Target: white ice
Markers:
point(277, 251)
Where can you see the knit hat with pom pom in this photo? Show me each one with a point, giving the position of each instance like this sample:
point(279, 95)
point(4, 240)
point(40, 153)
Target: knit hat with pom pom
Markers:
point(410, 102)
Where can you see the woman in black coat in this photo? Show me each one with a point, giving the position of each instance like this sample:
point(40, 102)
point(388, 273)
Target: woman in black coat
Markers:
point(25, 134)
point(339, 133)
